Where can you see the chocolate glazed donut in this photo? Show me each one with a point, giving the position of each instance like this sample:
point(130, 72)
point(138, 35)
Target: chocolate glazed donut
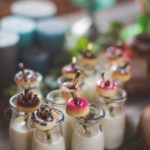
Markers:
point(27, 101)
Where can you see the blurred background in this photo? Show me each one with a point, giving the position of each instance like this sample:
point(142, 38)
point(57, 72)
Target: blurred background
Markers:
point(45, 35)
point(33, 31)
point(64, 6)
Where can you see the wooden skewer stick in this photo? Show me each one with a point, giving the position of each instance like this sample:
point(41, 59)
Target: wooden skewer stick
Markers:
point(48, 135)
point(103, 76)
point(75, 98)
point(76, 79)
point(21, 66)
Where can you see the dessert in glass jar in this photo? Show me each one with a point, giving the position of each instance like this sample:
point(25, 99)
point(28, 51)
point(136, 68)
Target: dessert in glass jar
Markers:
point(55, 100)
point(114, 121)
point(88, 133)
point(20, 131)
point(27, 78)
point(48, 133)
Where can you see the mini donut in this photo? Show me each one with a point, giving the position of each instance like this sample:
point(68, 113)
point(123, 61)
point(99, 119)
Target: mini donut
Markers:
point(69, 71)
point(27, 101)
point(66, 90)
point(114, 54)
point(106, 88)
point(26, 79)
point(122, 72)
point(70, 87)
point(45, 118)
point(77, 109)
point(88, 58)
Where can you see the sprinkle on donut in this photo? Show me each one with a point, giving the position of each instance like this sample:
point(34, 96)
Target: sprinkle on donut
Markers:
point(44, 118)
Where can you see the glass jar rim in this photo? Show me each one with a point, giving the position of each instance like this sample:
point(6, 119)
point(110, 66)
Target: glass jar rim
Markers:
point(50, 98)
point(39, 76)
point(90, 119)
point(120, 97)
point(63, 79)
point(12, 101)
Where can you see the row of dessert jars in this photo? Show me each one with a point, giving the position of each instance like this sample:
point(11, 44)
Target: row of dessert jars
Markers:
point(115, 115)
point(24, 137)
point(117, 121)
point(21, 133)
point(83, 132)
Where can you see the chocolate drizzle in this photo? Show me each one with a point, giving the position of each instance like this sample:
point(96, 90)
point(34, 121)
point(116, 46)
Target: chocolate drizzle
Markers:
point(27, 99)
point(43, 115)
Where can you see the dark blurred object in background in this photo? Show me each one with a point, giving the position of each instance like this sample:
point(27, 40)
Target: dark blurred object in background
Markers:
point(64, 6)
point(8, 49)
point(37, 59)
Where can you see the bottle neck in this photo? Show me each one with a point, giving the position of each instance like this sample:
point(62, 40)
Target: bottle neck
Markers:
point(114, 105)
point(49, 136)
point(92, 121)
point(88, 129)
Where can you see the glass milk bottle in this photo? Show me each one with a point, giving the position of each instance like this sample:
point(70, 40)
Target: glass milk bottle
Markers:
point(55, 99)
point(20, 131)
point(114, 121)
point(88, 133)
point(50, 139)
